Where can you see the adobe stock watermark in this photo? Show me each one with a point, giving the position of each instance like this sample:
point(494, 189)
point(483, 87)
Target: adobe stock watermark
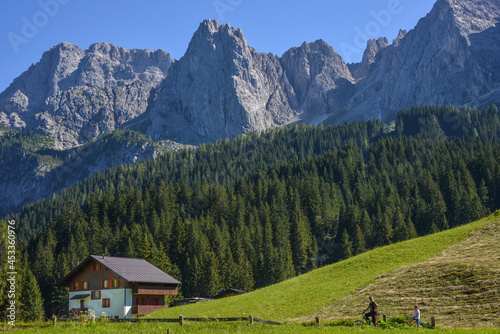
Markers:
point(31, 25)
point(372, 30)
point(11, 273)
point(223, 6)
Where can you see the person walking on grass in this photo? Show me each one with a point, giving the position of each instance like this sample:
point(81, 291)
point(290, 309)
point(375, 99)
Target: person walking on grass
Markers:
point(416, 315)
point(373, 310)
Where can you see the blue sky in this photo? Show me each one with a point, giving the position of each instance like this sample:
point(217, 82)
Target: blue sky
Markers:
point(30, 27)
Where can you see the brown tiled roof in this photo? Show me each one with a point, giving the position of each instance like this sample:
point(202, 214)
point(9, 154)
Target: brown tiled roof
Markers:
point(135, 270)
point(131, 270)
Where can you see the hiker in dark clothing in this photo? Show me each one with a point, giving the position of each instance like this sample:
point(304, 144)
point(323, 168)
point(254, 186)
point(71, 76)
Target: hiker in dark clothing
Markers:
point(373, 311)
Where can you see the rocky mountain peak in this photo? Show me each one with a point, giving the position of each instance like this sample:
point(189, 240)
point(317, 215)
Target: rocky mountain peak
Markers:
point(470, 16)
point(452, 56)
point(373, 47)
point(221, 87)
point(75, 95)
point(211, 34)
point(402, 33)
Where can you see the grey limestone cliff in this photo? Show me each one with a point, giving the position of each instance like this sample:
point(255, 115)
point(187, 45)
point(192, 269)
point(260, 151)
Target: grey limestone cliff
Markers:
point(319, 76)
point(221, 88)
point(75, 95)
point(452, 56)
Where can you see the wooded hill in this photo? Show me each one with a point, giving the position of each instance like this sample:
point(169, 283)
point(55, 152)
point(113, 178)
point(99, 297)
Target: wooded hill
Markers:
point(262, 208)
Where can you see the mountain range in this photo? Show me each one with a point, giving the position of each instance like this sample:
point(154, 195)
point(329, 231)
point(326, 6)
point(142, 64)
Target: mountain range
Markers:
point(222, 87)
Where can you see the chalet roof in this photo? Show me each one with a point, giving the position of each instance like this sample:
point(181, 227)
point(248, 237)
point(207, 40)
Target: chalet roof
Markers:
point(131, 270)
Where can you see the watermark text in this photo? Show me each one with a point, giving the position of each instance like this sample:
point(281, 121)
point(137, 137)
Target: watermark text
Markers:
point(30, 26)
point(11, 272)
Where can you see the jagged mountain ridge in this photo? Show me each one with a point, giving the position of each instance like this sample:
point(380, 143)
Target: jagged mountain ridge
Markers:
point(222, 87)
point(451, 57)
point(74, 95)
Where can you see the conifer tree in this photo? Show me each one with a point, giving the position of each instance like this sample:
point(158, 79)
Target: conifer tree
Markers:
point(345, 249)
point(31, 297)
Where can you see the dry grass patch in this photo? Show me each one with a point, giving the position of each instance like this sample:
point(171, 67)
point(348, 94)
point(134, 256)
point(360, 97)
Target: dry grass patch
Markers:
point(460, 287)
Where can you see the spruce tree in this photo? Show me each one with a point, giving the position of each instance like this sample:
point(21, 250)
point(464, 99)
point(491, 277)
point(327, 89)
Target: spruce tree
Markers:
point(31, 297)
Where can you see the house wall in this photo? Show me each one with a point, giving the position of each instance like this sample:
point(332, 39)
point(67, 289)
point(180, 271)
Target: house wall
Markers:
point(120, 302)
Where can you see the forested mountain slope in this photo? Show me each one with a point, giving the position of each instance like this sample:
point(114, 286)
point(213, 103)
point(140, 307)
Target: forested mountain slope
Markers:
point(260, 209)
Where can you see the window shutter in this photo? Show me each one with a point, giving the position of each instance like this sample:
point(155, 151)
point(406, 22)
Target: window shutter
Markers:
point(99, 294)
point(101, 284)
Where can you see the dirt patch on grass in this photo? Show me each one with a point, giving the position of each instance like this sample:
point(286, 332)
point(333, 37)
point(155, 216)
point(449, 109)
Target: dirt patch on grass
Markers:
point(460, 287)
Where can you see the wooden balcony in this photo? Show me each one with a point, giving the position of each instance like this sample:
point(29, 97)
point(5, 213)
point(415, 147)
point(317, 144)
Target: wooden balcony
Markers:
point(145, 309)
point(140, 289)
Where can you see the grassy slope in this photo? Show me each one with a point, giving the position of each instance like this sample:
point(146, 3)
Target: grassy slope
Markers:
point(459, 287)
point(315, 291)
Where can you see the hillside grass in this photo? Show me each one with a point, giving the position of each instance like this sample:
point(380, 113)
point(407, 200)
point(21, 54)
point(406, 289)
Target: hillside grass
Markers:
point(459, 287)
point(307, 294)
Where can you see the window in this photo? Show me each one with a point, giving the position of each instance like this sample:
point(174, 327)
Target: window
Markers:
point(78, 286)
point(96, 295)
point(106, 283)
point(106, 302)
point(141, 300)
point(85, 285)
point(115, 283)
point(155, 301)
point(96, 266)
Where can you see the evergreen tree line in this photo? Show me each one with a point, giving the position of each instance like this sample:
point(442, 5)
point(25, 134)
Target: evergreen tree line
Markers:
point(219, 162)
point(283, 217)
